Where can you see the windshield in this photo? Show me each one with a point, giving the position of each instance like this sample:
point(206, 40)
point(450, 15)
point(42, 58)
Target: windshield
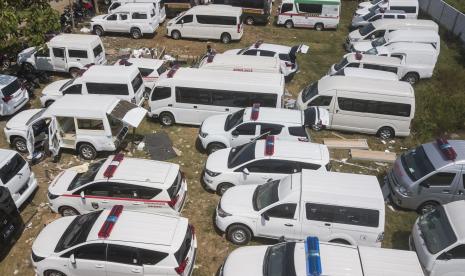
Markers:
point(77, 231)
point(67, 84)
point(368, 15)
point(436, 230)
point(341, 64)
point(265, 195)
point(366, 30)
point(241, 154)
point(234, 119)
point(279, 260)
point(11, 88)
point(35, 116)
point(416, 163)
point(378, 42)
point(310, 92)
point(84, 178)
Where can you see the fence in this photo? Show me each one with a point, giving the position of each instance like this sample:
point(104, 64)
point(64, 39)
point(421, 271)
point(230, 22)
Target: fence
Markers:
point(448, 16)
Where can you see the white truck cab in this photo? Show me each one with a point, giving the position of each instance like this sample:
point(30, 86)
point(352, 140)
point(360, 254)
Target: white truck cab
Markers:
point(65, 53)
point(245, 125)
point(88, 124)
point(338, 207)
point(13, 96)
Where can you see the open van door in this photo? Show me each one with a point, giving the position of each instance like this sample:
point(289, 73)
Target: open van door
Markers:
point(316, 117)
point(54, 140)
point(128, 113)
point(30, 142)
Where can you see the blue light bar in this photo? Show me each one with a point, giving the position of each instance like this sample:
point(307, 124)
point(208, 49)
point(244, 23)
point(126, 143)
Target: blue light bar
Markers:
point(312, 256)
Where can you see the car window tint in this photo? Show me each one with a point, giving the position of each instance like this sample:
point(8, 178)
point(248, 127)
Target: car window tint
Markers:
point(251, 52)
point(97, 189)
point(440, 179)
point(272, 129)
point(145, 71)
point(90, 124)
point(285, 211)
point(150, 257)
point(138, 15)
point(342, 214)
point(94, 251)
point(58, 52)
point(286, 7)
point(458, 252)
point(77, 53)
point(246, 129)
point(186, 19)
point(161, 93)
point(321, 101)
point(264, 53)
point(73, 89)
point(11, 168)
point(123, 254)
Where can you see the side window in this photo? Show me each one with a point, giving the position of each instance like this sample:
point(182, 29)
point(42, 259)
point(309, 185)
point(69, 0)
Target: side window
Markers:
point(161, 93)
point(193, 95)
point(251, 52)
point(389, 16)
point(281, 166)
point(311, 8)
point(149, 257)
point(321, 101)
point(90, 124)
point(309, 166)
point(353, 65)
point(375, 107)
point(457, 253)
point(377, 34)
point(186, 19)
point(123, 254)
point(97, 189)
point(256, 166)
point(356, 216)
point(389, 69)
point(266, 53)
point(147, 193)
point(107, 88)
point(399, 56)
point(138, 15)
point(91, 252)
point(440, 179)
point(246, 129)
point(286, 8)
point(401, 16)
point(74, 89)
point(319, 212)
point(58, 52)
point(298, 131)
point(77, 53)
point(376, 17)
point(43, 53)
point(123, 16)
point(145, 71)
point(273, 129)
point(285, 211)
point(112, 17)
point(123, 190)
point(216, 20)
point(223, 98)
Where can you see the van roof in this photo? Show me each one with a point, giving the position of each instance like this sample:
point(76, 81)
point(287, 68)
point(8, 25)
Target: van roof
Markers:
point(286, 149)
point(406, 46)
point(369, 73)
point(117, 74)
point(365, 85)
point(242, 60)
point(456, 217)
point(404, 23)
point(351, 57)
point(215, 9)
point(275, 115)
point(75, 40)
point(406, 33)
point(84, 105)
point(346, 189)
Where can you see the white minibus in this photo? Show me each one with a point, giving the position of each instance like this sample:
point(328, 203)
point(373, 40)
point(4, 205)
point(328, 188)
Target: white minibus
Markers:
point(242, 63)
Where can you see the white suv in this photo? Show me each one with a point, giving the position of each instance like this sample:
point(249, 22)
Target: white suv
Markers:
point(138, 184)
point(115, 242)
point(232, 130)
point(261, 161)
point(13, 96)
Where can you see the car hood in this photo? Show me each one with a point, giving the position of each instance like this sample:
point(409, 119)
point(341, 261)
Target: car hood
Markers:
point(218, 161)
point(98, 18)
point(355, 35)
point(238, 200)
point(362, 46)
point(24, 54)
point(44, 245)
point(214, 124)
point(61, 183)
point(19, 121)
point(245, 261)
point(357, 19)
point(232, 52)
point(53, 89)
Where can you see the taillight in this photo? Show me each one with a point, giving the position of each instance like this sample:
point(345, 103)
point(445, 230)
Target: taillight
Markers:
point(238, 28)
point(182, 266)
point(7, 98)
point(173, 202)
point(302, 139)
point(289, 64)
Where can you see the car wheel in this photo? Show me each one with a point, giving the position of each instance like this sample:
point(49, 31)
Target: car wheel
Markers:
point(136, 33)
point(67, 211)
point(386, 133)
point(411, 78)
point(340, 241)
point(20, 144)
point(427, 207)
point(166, 119)
point(53, 273)
point(28, 67)
point(289, 24)
point(212, 147)
point(225, 38)
point(317, 127)
point(223, 187)
point(175, 35)
point(75, 72)
point(319, 27)
point(48, 103)
point(87, 151)
point(249, 20)
point(99, 31)
point(239, 234)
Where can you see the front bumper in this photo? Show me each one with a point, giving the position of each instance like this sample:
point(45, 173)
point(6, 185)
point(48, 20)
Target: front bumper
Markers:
point(391, 193)
point(31, 187)
point(209, 182)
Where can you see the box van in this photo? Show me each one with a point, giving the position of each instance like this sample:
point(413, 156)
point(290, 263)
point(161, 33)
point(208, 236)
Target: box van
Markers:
point(256, 11)
point(134, 18)
point(380, 27)
point(439, 179)
point(65, 53)
point(361, 21)
point(315, 14)
point(365, 73)
point(88, 124)
point(381, 107)
point(149, 68)
point(221, 22)
point(189, 95)
point(438, 237)
point(411, 36)
point(336, 207)
point(13, 95)
point(242, 63)
point(122, 82)
point(410, 7)
point(159, 6)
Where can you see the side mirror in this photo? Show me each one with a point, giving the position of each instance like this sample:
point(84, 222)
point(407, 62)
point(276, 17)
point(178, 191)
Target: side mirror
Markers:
point(182, 21)
point(72, 259)
point(245, 171)
point(424, 184)
point(235, 133)
point(83, 196)
point(265, 217)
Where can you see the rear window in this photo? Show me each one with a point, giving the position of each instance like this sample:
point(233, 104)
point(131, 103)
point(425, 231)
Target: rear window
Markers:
point(107, 88)
point(11, 168)
point(11, 88)
point(342, 214)
point(181, 254)
point(98, 50)
point(174, 189)
point(137, 83)
point(77, 53)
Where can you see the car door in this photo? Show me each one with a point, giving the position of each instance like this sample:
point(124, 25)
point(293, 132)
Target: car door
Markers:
point(451, 262)
point(59, 59)
point(316, 220)
point(43, 59)
point(87, 260)
point(96, 196)
point(122, 23)
point(54, 138)
point(264, 170)
point(440, 186)
point(244, 133)
point(123, 261)
point(278, 221)
point(111, 23)
point(459, 193)
point(186, 25)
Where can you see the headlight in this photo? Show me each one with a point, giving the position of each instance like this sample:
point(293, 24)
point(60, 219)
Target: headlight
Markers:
point(203, 134)
point(36, 258)
point(52, 196)
point(403, 191)
point(221, 213)
point(212, 174)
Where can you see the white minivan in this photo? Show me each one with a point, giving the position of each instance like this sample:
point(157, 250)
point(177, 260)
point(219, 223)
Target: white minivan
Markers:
point(336, 207)
point(190, 95)
point(242, 63)
point(410, 7)
point(212, 21)
point(13, 95)
point(64, 53)
point(125, 83)
point(85, 123)
point(159, 6)
point(381, 107)
point(315, 14)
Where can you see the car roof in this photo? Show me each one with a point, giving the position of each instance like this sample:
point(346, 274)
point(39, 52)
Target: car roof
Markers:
point(6, 154)
point(456, 217)
point(85, 105)
point(369, 73)
point(439, 160)
point(281, 49)
point(399, 46)
point(404, 22)
point(285, 149)
point(6, 79)
point(351, 57)
point(344, 189)
point(144, 62)
point(101, 73)
point(75, 39)
point(275, 115)
point(215, 9)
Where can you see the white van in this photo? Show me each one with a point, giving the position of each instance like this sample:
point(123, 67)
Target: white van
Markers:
point(337, 207)
point(189, 95)
point(365, 73)
point(315, 14)
point(381, 107)
point(411, 36)
point(410, 7)
point(65, 53)
point(242, 63)
point(88, 124)
point(13, 95)
point(134, 18)
point(159, 6)
point(380, 27)
point(221, 22)
point(125, 83)
point(360, 21)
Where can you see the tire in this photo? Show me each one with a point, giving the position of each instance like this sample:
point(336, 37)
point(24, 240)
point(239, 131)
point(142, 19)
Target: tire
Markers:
point(319, 27)
point(239, 234)
point(166, 119)
point(53, 273)
point(411, 78)
point(75, 72)
point(175, 35)
point(249, 20)
point(66, 211)
point(28, 67)
point(225, 38)
point(223, 187)
point(87, 151)
point(316, 127)
point(136, 33)
point(427, 206)
point(99, 31)
point(289, 24)
point(386, 133)
point(340, 241)
point(212, 147)
point(48, 103)
point(20, 144)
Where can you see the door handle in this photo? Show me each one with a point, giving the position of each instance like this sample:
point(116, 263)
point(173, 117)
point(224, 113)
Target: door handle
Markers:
point(137, 203)
point(226, 109)
point(446, 191)
point(104, 201)
point(288, 224)
point(99, 265)
point(195, 106)
point(135, 270)
point(170, 105)
point(327, 224)
point(78, 59)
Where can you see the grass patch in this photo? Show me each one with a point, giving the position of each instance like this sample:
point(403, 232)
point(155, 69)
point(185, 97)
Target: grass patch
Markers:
point(458, 4)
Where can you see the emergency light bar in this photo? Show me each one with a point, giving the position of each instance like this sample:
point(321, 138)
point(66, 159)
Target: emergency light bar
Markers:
point(110, 171)
point(358, 56)
point(255, 111)
point(110, 221)
point(312, 256)
point(269, 145)
point(171, 72)
point(118, 157)
point(446, 148)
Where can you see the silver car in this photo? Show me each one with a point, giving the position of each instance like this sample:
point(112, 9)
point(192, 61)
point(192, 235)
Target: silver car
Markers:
point(362, 20)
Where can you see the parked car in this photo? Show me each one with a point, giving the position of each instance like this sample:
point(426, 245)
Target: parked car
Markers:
point(14, 95)
point(315, 14)
point(410, 7)
point(363, 20)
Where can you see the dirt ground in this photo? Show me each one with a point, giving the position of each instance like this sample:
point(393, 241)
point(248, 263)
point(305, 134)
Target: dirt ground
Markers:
point(325, 49)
